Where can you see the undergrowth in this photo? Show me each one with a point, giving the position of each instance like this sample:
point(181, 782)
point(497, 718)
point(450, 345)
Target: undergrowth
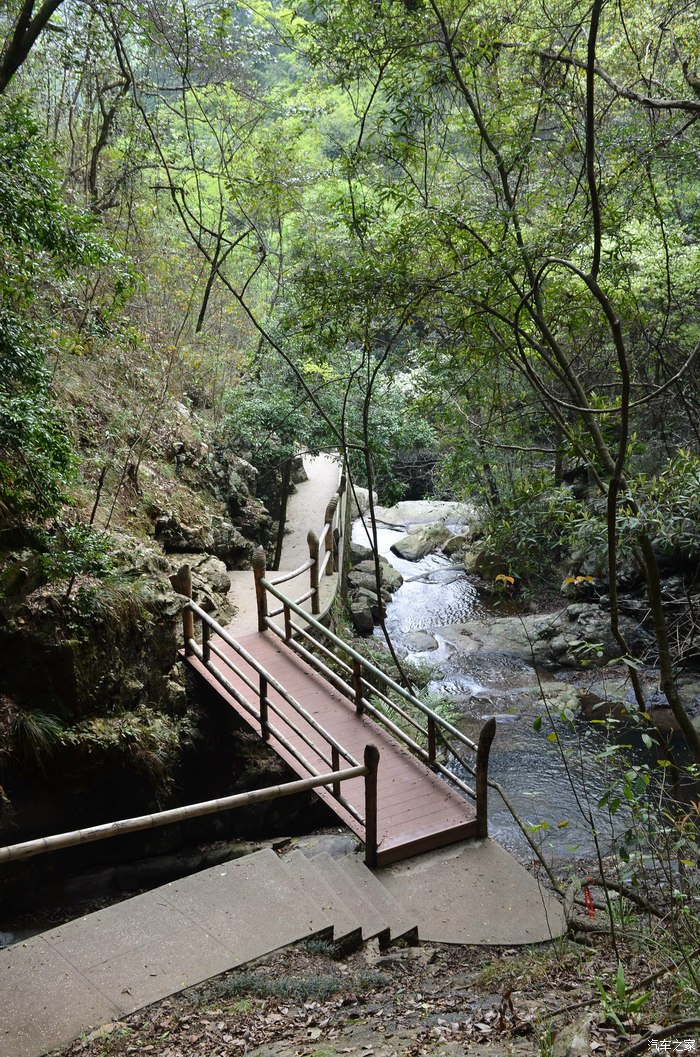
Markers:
point(314, 987)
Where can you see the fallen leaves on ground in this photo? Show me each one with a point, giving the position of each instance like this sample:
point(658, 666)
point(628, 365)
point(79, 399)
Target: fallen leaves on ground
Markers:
point(438, 1001)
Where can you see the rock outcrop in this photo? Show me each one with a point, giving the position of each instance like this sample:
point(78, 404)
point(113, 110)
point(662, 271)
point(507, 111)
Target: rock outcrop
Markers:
point(409, 514)
point(421, 541)
point(218, 537)
point(366, 604)
point(574, 637)
point(109, 648)
point(232, 481)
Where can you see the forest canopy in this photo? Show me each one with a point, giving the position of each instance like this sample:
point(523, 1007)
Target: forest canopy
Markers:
point(458, 241)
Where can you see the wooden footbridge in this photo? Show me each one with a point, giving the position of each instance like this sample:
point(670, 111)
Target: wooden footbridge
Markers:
point(371, 750)
point(326, 710)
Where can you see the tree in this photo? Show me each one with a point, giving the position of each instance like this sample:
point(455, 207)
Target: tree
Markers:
point(539, 162)
point(42, 241)
point(23, 27)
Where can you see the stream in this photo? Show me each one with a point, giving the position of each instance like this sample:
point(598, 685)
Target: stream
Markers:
point(436, 596)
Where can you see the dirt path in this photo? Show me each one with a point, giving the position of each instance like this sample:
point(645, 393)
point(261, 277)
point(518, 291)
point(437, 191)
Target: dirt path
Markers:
point(306, 508)
point(305, 511)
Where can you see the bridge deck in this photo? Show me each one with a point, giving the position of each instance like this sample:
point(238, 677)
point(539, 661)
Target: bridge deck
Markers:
point(416, 810)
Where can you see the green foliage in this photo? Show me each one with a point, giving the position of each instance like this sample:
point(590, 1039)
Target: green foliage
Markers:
point(617, 1003)
point(670, 502)
point(646, 843)
point(527, 533)
point(269, 420)
point(35, 734)
point(398, 440)
point(148, 740)
point(34, 216)
point(42, 240)
point(668, 513)
point(75, 550)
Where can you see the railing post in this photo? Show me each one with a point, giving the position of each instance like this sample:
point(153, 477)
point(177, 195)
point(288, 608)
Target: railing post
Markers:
point(371, 763)
point(260, 593)
point(330, 514)
point(357, 686)
point(482, 776)
point(206, 649)
point(264, 727)
point(341, 492)
point(287, 622)
point(432, 748)
point(335, 763)
point(312, 540)
point(185, 576)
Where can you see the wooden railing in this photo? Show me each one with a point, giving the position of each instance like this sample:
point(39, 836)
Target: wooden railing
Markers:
point(207, 807)
point(359, 680)
point(262, 707)
point(324, 550)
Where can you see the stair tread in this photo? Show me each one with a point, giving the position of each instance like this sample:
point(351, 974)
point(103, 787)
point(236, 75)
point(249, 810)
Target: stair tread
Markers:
point(314, 885)
point(395, 916)
point(375, 922)
point(120, 958)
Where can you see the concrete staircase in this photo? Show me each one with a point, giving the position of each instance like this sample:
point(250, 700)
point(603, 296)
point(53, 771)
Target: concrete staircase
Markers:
point(356, 903)
point(108, 964)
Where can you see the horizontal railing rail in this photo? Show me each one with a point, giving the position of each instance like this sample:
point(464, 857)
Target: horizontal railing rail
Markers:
point(324, 745)
point(91, 834)
point(357, 678)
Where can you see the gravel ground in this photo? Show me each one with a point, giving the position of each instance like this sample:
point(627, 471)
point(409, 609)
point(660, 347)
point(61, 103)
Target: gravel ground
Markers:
point(424, 1001)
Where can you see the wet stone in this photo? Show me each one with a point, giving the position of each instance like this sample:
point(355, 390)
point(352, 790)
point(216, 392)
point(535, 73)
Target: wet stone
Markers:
point(420, 642)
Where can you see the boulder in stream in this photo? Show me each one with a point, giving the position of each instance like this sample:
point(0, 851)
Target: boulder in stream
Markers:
point(420, 641)
point(361, 615)
point(366, 607)
point(422, 541)
point(391, 577)
point(359, 501)
point(409, 514)
point(456, 544)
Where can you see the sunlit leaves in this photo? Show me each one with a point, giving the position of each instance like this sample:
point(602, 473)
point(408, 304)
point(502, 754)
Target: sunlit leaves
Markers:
point(42, 239)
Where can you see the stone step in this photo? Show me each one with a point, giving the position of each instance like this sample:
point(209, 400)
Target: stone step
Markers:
point(400, 921)
point(347, 927)
point(379, 913)
point(110, 963)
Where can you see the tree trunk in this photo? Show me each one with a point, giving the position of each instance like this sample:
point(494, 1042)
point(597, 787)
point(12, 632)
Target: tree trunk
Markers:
point(284, 496)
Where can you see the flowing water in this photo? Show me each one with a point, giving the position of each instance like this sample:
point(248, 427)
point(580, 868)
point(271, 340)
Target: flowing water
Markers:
point(436, 595)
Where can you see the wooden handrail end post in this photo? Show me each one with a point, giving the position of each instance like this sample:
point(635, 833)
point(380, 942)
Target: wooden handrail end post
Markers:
point(371, 760)
point(432, 740)
point(312, 540)
point(328, 521)
point(342, 504)
point(185, 578)
point(357, 686)
point(486, 737)
point(260, 593)
point(264, 723)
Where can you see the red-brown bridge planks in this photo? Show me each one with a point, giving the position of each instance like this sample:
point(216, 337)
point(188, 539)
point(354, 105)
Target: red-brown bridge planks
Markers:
point(416, 810)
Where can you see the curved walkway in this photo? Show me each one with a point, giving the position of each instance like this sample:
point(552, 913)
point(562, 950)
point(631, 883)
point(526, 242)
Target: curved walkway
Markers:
point(305, 510)
point(103, 966)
